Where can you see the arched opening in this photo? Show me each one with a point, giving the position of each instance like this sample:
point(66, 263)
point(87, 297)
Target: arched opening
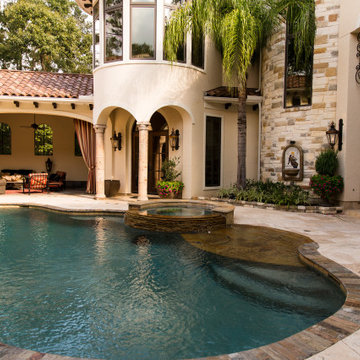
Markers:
point(158, 152)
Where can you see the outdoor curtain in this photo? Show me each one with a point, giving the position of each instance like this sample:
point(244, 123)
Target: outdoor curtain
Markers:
point(86, 138)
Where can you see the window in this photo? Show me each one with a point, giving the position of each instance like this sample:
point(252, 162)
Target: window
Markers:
point(96, 36)
point(197, 48)
point(143, 23)
point(43, 140)
point(5, 139)
point(298, 75)
point(77, 147)
point(169, 7)
point(113, 30)
point(213, 151)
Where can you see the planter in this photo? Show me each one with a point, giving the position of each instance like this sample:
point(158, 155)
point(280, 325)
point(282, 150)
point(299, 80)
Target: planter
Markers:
point(170, 195)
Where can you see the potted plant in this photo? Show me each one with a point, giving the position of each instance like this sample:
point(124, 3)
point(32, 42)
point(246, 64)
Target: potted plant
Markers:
point(326, 184)
point(169, 187)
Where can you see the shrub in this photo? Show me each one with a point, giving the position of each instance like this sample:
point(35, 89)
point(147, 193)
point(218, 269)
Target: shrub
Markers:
point(268, 192)
point(326, 163)
point(327, 186)
point(169, 171)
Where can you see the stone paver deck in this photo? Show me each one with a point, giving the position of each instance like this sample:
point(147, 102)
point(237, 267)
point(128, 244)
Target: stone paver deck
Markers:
point(338, 238)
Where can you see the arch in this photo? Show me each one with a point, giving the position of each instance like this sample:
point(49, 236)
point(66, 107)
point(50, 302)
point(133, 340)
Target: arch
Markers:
point(184, 111)
point(102, 117)
point(43, 140)
point(5, 139)
point(158, 151)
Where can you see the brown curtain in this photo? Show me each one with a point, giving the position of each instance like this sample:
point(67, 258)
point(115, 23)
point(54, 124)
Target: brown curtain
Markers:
point(86, 138)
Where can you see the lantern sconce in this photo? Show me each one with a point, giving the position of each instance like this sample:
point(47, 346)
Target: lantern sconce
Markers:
point(116, 141)
point(357, 74)
point(335, 136)
point(174, 139)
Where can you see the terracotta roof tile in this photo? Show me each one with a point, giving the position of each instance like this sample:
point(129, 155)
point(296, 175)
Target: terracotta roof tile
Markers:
point(224, 91)
point(45, 84)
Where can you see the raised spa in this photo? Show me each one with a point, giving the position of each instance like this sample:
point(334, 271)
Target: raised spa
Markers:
point(179, 216)
point(93, 287)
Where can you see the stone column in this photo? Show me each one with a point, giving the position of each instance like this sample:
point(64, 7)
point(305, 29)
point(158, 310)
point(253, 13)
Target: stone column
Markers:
point(143, 160)
point(100, 161)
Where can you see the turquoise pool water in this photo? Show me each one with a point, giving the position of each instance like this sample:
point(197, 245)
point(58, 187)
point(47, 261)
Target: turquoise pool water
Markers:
point(179, 211)
point(92, 287)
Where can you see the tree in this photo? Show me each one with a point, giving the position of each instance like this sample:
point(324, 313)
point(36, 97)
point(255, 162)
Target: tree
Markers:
point(240, 28)
point(47, 35)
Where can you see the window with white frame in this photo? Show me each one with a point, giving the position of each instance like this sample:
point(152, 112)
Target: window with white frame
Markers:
point(113, 10)
point(143, 29)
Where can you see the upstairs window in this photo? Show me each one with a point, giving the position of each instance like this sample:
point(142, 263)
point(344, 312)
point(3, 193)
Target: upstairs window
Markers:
point(298, 75)
point(96, 36)
point(169, 7)
point(5, 139)
point(197, 48)
point(43, 140)
point(113, 30)
point(143, 29)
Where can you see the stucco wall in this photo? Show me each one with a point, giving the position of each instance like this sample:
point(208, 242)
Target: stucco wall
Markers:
point(22, 143)
point(348, 100)
point(305, 125)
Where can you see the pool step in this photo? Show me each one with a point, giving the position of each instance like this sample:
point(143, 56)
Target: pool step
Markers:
point(271, 287)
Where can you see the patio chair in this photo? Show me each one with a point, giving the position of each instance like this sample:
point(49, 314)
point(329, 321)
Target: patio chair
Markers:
point(57, 181)
point(38, 181)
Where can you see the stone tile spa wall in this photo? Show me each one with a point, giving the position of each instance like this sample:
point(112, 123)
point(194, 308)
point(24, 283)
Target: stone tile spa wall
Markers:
point(307, 124)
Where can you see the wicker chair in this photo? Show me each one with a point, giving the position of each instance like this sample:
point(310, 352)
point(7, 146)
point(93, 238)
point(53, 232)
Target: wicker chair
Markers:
point(57, 181)
point(37, 181)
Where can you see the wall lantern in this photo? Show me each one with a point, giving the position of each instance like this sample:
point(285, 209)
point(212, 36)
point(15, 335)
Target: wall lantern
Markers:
point(48, 165)
point(357, 74)
point(174, 139)
point(116, 141)
point(335, 136)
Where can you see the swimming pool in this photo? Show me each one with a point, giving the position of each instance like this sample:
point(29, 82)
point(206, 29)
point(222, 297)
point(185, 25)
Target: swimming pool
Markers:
point(90, 286)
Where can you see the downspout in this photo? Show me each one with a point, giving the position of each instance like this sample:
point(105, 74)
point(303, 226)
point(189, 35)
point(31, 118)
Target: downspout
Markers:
point(260, 117)
point(259, 140)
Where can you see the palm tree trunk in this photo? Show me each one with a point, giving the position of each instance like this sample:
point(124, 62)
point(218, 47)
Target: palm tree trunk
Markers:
point(241, 169)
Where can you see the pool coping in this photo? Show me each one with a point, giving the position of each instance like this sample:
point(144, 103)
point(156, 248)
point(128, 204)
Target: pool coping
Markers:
point(300, 346)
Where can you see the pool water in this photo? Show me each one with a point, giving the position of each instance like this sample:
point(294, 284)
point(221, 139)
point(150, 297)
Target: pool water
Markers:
point(179, 211)
point(93, 287)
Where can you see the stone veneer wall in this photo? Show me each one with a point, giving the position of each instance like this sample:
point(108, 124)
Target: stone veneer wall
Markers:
point(305, 125)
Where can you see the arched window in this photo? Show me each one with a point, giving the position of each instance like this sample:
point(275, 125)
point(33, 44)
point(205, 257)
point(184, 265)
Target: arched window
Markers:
point(5, 139)
point(43, 140)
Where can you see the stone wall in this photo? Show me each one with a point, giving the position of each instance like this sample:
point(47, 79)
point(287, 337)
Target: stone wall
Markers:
point(307, 124)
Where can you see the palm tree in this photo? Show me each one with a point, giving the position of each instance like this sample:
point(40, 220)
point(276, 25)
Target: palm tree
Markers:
point(240, 28)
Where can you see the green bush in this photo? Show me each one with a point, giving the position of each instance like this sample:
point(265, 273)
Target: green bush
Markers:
point(169, 171)
point(268, 192)
point(327, 186)
point(327, 163)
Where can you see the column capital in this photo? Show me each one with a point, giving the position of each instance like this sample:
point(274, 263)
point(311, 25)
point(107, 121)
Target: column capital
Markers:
point(144, 126)
point(99, 128)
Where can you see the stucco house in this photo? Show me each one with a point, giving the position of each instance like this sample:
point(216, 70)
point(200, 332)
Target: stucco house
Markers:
point(141, 100)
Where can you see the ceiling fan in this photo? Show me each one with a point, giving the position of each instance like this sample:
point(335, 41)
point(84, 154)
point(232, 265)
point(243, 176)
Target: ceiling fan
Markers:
point(34, 125)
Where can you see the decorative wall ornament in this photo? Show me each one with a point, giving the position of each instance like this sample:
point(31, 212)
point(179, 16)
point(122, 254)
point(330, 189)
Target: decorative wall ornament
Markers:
point(357, 75)
point(293, 163)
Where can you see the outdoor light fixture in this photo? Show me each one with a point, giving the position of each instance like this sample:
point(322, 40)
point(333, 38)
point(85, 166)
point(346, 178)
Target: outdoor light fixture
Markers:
point(174, 139)
point(48, 165)
point(116, 141)
point(335, 136)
